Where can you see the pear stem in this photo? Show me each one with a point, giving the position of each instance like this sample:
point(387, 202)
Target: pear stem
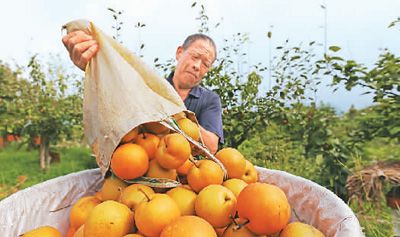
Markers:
point(193, 161)
point(145, 194)
point(234, 220)
point(243, 224)
point(237, 225)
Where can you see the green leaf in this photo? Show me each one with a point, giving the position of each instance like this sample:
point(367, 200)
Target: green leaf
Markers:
point(294, 58)
point(334, 48)
point(337, 58)
point(394, 131)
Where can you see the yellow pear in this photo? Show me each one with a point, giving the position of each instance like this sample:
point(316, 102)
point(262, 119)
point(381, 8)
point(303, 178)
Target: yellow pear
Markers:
point(235, 185)
point(130, 136)
point(250, 174)
point(300, 229)
point(43, 231)
point(112, 188)
point(204, 173)
point(134, 194)
point(152, 216)
point(110, 218)
point(184, 198)
point(156, 171)
point(190, 128)
point(173, 151)
point(216, 204)
point(233, 161)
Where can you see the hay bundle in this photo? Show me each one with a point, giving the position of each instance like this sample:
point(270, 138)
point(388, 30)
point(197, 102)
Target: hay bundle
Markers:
point(367, 184)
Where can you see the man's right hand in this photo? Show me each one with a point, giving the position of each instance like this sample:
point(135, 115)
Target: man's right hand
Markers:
point(81, 47)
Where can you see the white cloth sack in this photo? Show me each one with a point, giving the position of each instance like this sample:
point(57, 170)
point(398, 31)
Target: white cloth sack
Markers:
point(49, 203)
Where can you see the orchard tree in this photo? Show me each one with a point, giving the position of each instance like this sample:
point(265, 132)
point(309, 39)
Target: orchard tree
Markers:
point(12, 88)
point(51, 111)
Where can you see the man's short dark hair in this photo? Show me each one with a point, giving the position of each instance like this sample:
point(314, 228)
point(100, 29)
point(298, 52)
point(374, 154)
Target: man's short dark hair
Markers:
point(199, 36)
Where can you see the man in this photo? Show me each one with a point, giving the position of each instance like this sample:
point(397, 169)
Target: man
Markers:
point(194, 60)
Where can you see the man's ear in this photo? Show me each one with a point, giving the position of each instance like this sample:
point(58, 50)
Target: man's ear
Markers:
point(178, 53)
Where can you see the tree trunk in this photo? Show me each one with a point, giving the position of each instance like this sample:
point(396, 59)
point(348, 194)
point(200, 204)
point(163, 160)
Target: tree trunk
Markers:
point(42, 156)
point(5, 141)
point(44, 153)
point(48, 157)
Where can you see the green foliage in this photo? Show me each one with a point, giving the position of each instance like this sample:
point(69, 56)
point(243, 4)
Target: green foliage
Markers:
point(239, 101)
point(203, 19)
point(313, 129)
point(381, 149)
point(12, 98)
point(383, 81)
point(305, 136)
point(45, 111)
point(117, 23)
point(272, 148)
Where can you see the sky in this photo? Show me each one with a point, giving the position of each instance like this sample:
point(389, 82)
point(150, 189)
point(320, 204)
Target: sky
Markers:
point(359, 27)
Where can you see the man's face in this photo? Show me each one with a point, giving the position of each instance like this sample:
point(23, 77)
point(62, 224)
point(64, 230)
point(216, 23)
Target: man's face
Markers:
point(193, 63)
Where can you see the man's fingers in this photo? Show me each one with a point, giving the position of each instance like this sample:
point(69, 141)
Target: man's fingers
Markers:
point(66, 39)
point(80, 48)
point(87, 55)
point(76, 40)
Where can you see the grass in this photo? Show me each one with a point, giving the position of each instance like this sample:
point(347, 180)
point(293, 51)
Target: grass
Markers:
point(375, 219)
point(21, 169)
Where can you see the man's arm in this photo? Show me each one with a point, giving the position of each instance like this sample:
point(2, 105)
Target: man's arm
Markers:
point(210, 119)
point(210, 140)
point(81, 47)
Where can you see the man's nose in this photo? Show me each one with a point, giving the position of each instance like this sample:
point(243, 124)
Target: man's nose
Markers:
point(196, 65)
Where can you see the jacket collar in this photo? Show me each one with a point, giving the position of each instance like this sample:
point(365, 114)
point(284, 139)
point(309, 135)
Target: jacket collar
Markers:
point(194, 92)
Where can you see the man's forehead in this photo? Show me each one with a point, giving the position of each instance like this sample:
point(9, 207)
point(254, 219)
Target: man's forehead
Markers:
point(203, 47)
